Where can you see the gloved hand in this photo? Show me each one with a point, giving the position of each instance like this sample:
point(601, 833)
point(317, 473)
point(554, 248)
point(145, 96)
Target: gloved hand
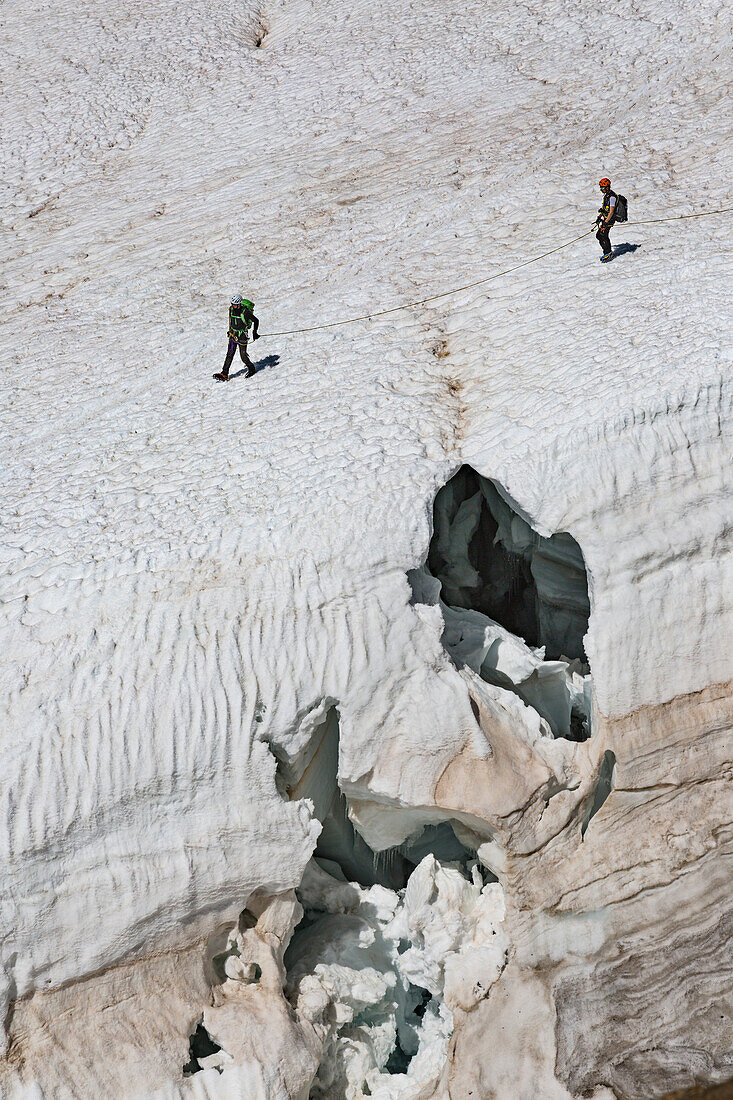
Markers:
point(255, 335)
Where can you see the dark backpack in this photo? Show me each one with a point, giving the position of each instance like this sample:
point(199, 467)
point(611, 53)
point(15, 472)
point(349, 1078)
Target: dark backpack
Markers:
point(622, 209)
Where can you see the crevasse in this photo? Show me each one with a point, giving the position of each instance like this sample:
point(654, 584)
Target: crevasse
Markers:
point(515, 604)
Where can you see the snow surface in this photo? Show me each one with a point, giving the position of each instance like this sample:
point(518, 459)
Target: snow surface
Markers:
point(192, 572)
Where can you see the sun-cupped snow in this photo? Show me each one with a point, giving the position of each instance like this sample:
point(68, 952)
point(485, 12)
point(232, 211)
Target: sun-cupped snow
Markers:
point(224, 652)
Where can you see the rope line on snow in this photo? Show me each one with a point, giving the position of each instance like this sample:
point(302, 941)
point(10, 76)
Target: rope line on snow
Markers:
point(488, 279)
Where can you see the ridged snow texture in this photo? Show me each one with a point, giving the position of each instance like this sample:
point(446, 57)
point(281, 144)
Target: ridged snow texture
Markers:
point(194, 575)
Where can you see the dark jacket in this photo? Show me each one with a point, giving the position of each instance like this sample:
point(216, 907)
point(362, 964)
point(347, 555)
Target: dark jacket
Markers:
point(606, 207)
point(241, 318)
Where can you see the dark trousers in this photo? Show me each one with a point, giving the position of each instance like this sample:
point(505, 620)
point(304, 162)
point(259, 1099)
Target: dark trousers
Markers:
point(603, 239)
point(231, 351)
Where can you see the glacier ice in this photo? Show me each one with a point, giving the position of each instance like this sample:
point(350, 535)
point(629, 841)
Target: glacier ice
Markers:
point(199, 584)
point(378, 972)
point(374, 970)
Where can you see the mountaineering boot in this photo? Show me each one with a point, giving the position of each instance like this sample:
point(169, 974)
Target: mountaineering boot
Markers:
point(251, 372)
point(607, 258)
point(221, 377)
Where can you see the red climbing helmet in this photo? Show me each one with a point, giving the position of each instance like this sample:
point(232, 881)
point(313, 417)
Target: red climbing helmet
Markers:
point(604, 182)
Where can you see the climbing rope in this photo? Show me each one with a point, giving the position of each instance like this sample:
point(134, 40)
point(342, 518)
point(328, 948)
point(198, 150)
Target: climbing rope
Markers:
point(488, 279)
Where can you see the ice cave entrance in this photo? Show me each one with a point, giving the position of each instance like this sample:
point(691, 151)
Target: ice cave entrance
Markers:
point(515, 604)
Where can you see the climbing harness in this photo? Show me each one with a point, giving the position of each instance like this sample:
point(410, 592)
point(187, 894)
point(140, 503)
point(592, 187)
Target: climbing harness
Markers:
point(488, 279)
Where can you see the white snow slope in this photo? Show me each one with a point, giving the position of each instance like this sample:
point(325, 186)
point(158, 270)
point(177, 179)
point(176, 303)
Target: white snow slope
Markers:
point(193, 573)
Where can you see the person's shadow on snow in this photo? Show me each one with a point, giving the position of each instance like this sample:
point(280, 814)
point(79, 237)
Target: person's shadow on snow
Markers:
point(622, 249)
point(261, 364)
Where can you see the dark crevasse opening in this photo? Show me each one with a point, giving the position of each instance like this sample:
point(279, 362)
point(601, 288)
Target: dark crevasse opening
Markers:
point(314, 774)
point(604, 786)
point(515, 603)
point(200, 1046)
point(487, 557)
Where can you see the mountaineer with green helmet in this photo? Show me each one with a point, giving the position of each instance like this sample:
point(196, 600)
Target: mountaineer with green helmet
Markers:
point(241, 318)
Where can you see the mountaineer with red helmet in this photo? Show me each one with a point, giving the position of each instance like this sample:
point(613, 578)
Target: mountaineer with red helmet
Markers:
point(606, 218)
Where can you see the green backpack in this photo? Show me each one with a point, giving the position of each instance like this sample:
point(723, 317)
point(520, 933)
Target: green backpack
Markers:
point(241, 322)
point(247, 308)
